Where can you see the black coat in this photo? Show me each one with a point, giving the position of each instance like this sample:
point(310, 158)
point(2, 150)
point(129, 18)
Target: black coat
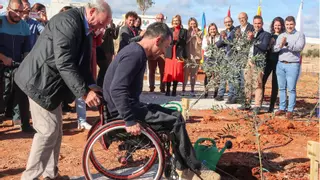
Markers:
point(181, 48)
point(58, 66)
point(263, 39)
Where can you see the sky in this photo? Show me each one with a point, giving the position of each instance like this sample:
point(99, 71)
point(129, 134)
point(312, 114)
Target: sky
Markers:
point(216, 10)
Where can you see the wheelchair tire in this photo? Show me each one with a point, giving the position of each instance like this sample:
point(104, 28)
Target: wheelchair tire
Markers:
point(158, 155)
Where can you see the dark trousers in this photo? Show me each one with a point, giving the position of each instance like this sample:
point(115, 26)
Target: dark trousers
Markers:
point(103, 66)
point(21, 107)
point(20, 103)
point(164, 119)
point(271, 67)
point(152, 64)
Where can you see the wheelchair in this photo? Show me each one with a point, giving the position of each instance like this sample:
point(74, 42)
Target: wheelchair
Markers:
point(116, 154)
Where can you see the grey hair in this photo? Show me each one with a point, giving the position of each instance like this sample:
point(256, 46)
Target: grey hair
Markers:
point(100, 5)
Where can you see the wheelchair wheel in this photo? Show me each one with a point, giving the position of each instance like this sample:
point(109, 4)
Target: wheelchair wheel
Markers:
point(126, 156)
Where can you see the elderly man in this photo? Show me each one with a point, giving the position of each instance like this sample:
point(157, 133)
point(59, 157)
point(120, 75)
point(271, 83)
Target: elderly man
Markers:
point(289, 45)
point(57, 68)
point(244, 26)
point(153, 64)
point(230, 34)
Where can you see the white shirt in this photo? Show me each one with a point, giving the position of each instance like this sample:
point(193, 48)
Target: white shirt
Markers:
point(205, 43)
point(243, 28)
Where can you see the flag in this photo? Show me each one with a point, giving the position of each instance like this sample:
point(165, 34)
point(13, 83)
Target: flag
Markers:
point(259, 12)
point(204, 25)
point(299, 19)
point(229, 13)
point(204, 33)
point(299, 26)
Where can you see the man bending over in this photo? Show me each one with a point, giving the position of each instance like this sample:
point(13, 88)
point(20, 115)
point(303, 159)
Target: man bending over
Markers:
point(122, 87)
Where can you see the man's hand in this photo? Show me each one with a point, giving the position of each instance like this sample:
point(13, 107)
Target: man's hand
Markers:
point(250, 35)
point(223, 35)
point(92, 99)
point(134, 130)
point(283, 41)
point(7, 61)
point(142, 33)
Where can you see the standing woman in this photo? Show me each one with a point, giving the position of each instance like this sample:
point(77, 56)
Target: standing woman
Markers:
point(211, 38)
point(277, 27)
point(194, 55)
point(175, 55)
point(137, 25)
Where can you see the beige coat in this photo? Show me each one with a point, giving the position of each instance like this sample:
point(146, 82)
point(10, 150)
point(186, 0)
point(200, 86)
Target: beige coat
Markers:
point(194, 46)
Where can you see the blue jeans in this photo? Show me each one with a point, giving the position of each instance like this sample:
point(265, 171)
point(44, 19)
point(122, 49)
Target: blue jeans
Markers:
point(81, 110)
point(222, 89)
point(287, 75)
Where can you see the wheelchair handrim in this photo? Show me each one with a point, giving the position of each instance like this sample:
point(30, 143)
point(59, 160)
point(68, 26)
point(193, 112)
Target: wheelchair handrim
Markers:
point(88, 154)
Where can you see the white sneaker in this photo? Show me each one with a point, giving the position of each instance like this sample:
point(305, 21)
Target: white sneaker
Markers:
point(84, 125)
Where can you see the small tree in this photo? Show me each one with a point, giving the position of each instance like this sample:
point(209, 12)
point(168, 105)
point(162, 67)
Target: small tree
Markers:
point(309, 53)
point(144, 5)
point(315, 53)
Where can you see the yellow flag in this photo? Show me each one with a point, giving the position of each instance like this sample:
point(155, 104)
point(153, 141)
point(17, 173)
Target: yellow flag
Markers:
point(259, 11)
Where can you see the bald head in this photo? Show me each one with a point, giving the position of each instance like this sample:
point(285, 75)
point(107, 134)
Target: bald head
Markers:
point(99, 14)
point(243, 19)
point(14, 2)
point(159, 17)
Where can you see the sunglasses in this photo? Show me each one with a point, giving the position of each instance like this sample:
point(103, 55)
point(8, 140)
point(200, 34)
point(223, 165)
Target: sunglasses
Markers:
point(17, 11)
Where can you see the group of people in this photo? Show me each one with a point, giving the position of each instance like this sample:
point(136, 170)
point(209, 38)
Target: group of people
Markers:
point(182, 58)
point(52, 63)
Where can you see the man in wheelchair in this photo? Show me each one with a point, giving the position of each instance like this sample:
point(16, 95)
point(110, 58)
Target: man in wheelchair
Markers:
point(123, 85)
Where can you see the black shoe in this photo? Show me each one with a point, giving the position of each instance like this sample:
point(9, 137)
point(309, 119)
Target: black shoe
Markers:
point(206, 95)
point(174, 93)
point(244, 107)
point(256, 110)
point(163, 91)
point(58, 178)
point(2, 117)
point(167, 93)
point(270, 110)
point(28, 129)
point(219, 98)
point(232, 100)
point(215, 94)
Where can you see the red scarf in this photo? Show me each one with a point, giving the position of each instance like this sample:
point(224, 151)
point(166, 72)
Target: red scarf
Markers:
point(176, 32)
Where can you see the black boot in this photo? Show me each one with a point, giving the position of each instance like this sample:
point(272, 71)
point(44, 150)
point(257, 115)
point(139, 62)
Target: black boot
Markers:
point(174, 88)
point(168, 88)
point(215, 92)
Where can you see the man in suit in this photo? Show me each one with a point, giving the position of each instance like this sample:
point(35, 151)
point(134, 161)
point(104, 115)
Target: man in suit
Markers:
point(260, 45)
point(152, 65)
point(57, 68)
point(127, 32)
point(228, 35)
point(244, 26)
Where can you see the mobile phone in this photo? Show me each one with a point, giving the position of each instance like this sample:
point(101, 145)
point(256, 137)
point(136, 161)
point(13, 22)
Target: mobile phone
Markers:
point(34, 15)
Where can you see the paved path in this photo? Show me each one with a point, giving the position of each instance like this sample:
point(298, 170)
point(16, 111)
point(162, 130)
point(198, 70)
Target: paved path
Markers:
point(202, 104)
